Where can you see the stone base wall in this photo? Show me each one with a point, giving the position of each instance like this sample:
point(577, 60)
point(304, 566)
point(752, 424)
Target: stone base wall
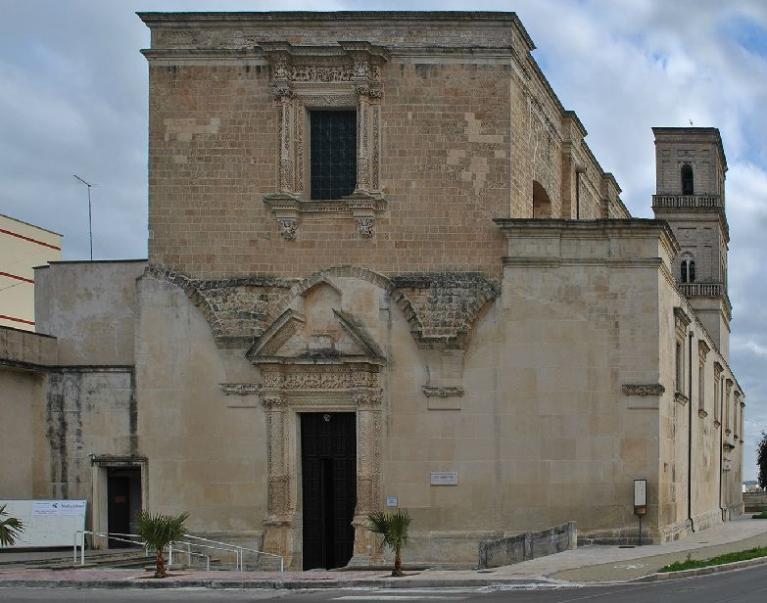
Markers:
point(505, 551)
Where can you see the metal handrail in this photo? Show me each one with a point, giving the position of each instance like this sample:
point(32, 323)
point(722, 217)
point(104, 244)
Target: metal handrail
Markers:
point(80, 535)
point(241, 550)
point(135, 539)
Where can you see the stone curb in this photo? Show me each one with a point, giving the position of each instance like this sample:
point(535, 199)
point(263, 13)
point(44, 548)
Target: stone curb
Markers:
point(702, 571)
point(275, 584)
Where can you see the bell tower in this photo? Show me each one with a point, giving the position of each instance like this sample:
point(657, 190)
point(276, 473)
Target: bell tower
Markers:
point(690, 169)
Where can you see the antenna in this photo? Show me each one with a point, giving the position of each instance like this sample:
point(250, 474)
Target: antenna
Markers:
point(90, 223)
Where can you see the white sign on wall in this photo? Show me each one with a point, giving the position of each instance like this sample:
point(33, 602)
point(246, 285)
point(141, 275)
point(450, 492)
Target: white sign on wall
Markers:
point(47, 522)
point(391, 501)
point(444, 478)
point(640, 492)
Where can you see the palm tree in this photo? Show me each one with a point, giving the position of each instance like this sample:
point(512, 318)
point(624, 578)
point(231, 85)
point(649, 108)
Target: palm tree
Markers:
point(158, 531)
point(10, 528)
point(393, 527)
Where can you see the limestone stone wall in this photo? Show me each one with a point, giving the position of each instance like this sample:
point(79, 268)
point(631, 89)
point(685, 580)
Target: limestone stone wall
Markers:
point(90, 307)
point(694, 442)
point(468, 123)
point(206, 450)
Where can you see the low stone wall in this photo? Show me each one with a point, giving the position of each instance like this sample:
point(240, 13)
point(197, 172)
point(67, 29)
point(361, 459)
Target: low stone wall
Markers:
point(755, 502)
point(530, 545)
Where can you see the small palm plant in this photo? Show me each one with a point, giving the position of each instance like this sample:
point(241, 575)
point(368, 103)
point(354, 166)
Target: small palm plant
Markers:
point(158, 531)
point(393, 526)
point(10, 528)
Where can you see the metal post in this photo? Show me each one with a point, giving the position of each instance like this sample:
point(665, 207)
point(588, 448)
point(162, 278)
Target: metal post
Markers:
point(282, 562)
point(74, 551)
point(640, 531)
point(189, 554)
point(82, 549)
point(170, 554)
point(90, 221)
point(240, 558)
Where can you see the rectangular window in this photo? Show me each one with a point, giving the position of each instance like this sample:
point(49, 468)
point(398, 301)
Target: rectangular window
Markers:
point(701, 386)
point(679, 368)
point(716, 399)
point(333, 159)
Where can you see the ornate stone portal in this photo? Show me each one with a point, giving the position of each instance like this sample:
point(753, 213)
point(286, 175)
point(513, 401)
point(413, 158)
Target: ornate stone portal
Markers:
point(346, 75)
point(290, 389)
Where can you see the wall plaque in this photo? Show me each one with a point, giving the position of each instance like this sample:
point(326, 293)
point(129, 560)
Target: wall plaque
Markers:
point(444, 478)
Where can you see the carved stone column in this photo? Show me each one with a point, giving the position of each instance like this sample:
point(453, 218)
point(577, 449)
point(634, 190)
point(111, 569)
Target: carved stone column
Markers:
point(279, 524)
point(369, 436)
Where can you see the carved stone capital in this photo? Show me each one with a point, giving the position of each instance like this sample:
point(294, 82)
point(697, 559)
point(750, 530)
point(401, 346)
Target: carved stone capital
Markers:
point(368, 399)
point(273, 402)
point(282, 91)
point(643, 389)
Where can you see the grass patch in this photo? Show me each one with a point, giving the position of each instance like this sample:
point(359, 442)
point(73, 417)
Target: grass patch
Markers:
point(762, 515)
point(679, 566)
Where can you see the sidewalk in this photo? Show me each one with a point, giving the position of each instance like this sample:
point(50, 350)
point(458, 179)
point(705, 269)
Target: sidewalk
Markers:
point(588, 564)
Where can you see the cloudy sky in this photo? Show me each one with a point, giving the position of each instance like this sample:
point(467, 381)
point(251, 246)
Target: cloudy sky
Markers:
point(73, 99)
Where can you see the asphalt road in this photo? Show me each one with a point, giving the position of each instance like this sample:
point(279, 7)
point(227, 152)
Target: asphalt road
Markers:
point(744, 586)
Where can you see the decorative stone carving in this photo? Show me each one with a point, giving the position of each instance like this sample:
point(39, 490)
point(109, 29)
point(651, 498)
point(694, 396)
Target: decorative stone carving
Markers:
point(237, 309)
point(366, 227)
point(681, 399)
point(290, 389)
point(442, 307)
point(643, 389)
point(288, 227)
point(346, 75)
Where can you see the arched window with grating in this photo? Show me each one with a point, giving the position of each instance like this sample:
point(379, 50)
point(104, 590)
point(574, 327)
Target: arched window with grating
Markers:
point(688, 270)
point(687, 182)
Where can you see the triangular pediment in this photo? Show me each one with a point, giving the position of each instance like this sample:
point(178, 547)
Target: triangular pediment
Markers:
point(333, 336)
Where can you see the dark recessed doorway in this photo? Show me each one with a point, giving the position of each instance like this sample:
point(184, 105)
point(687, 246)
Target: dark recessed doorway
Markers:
point(329, 478)
point(124, 502)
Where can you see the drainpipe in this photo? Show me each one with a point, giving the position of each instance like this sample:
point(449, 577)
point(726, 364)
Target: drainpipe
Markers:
point(689, 431)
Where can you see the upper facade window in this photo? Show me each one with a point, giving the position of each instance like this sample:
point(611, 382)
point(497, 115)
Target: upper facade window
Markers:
point(688, 271)
point(687, 182)
point(329, 100)
point(333, 153)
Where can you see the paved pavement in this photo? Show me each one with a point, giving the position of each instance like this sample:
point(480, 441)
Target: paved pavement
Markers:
point(584, 565)
point(743, 586)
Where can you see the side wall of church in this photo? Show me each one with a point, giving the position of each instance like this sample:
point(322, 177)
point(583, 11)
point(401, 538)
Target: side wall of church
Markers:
point(694, 423)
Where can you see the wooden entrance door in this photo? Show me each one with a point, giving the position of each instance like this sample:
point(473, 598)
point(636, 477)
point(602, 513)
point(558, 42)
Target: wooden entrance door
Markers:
point(329, 478)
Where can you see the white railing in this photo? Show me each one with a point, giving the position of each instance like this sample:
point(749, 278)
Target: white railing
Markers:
point(129, 539)
point(240, 550)
point(183, 547)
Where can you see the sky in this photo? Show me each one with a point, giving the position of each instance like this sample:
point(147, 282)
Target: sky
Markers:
point(73, 100)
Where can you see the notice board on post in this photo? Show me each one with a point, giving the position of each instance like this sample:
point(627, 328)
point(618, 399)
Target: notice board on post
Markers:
point(47, 523)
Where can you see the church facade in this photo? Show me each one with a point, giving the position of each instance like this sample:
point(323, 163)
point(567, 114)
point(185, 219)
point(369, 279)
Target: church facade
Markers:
point(385, 270)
